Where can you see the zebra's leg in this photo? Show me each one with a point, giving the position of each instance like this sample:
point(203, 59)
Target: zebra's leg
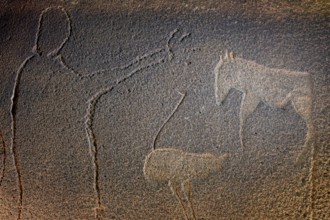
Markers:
point(248, 105)
point(303, 106)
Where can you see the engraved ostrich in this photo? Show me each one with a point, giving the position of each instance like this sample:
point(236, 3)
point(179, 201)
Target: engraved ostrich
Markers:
point(179, 168)
point(275, 87)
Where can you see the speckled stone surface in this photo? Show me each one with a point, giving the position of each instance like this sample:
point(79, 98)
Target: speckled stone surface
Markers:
point(164, 110)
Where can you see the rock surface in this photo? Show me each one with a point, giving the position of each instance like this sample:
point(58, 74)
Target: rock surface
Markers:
point(88, 89)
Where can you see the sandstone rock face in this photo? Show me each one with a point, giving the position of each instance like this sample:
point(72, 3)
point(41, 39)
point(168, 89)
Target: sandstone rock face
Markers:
point(164, 110)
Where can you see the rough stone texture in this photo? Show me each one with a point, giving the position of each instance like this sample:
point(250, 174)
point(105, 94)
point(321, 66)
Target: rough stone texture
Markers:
point(88, 89)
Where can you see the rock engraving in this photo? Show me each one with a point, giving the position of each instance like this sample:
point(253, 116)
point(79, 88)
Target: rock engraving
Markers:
point(165, 53)
point(178, 168)
point(13, 147)
point(275, 87)
point(15, 93)
point(137, 65)
point(3, 156)
point(55, 51)
point(89, 119)
point(92, 103)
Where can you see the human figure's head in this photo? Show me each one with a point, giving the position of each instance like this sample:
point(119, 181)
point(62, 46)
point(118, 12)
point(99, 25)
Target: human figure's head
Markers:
point(53, 31)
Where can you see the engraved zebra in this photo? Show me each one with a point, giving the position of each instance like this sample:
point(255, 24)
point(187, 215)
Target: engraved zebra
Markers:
point(275, 87)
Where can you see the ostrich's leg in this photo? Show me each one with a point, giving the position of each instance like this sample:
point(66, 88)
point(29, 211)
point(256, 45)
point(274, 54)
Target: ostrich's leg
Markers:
point(186, 188)
point(175, 188)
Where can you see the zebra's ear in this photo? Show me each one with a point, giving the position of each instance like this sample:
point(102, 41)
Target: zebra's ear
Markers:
point(231, 56)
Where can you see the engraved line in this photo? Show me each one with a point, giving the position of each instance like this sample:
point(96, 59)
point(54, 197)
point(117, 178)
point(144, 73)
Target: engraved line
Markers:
point(312, 172)
point(124, 67)
point(13, 148)
point(136, 60)
point(168, 48)
point(55, 52)
point(138, 70)
point(3, 151)
point(184, 36)
point(216, 77)
point(183, 95)
point(188, 197)
point(175, 192)
point(89, 118)
point(69, 30)
point(140, 58)
point(14, 100)
point(242, 120)
point(35, 48)
point(146, 55)
point(62, 62)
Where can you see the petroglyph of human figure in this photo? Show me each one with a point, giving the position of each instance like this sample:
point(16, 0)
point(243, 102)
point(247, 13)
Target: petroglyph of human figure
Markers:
point(275, 87)
point(23, 92)
point(3, 157)
point(40, 79)
point(148, 60)
point(178, 168)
